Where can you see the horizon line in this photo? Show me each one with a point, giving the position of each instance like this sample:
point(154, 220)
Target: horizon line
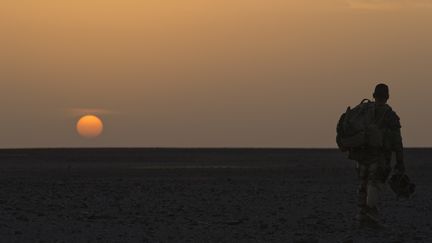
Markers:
point(186, 148)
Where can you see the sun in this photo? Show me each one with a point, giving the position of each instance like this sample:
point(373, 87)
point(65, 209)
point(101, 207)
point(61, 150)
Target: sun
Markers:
point(89, 126)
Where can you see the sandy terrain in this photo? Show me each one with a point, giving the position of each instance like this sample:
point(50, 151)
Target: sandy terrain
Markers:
point(198, 196)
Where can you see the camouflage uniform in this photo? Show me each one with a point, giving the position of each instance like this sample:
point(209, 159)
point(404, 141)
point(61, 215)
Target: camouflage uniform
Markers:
point(374, 165)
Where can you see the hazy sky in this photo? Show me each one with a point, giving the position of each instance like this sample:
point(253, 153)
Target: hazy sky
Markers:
point(204, 73)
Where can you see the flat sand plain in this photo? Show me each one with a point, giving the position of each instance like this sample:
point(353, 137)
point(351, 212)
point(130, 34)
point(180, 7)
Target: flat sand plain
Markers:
point(199, 195)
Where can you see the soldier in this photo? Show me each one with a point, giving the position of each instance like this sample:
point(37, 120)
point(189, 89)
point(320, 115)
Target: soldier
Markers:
point(374, 163)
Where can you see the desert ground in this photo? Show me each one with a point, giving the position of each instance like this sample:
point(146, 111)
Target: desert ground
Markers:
point(199, 195)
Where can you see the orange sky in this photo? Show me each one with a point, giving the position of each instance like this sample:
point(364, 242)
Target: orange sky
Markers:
point(194, 73)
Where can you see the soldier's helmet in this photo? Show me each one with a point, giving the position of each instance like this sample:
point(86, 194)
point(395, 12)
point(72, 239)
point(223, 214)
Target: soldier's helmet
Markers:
point(402, 186)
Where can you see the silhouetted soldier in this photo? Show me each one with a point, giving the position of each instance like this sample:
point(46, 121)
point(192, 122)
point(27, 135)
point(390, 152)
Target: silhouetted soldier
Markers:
point(372, 149)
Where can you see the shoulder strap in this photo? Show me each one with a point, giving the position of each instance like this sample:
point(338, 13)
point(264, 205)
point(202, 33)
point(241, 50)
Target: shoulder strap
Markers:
point(365, 101)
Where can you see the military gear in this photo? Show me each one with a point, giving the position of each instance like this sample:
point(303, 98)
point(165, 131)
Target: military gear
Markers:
point(372, 213)
point(369, 216)
point(402, 186)
point(392, 139)
point(381, 91)
point(361, 127)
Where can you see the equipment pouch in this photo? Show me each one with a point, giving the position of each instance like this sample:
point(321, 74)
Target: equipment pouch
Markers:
point(355, 141)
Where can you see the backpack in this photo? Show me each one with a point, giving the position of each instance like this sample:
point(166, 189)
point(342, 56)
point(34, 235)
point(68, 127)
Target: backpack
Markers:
point(359, 128)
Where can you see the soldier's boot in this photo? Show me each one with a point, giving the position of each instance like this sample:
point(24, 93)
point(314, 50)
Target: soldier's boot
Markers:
point(373, 214)
point(361, 216)
point(364, 219)
point(373, 219)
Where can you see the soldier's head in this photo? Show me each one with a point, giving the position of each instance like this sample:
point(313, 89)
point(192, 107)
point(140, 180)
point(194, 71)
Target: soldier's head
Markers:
point(381, 93)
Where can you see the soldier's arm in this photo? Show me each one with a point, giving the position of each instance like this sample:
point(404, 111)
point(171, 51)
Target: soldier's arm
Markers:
point(398, 147)
point(397, 144)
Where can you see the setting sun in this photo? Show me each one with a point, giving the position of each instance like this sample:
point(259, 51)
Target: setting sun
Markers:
point(89, 126)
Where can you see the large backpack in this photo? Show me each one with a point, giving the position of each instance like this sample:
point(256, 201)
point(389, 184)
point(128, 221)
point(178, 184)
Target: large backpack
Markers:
point(359, 128)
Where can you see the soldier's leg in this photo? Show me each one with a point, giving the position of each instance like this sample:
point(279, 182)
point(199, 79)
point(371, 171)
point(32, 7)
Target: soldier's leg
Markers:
point(376, 179)
point(362, 171)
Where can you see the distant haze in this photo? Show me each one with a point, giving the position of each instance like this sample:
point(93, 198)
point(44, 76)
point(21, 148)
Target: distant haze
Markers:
point(201, 73)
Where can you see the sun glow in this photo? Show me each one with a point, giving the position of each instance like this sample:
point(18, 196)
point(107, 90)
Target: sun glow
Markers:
point(89, 126)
